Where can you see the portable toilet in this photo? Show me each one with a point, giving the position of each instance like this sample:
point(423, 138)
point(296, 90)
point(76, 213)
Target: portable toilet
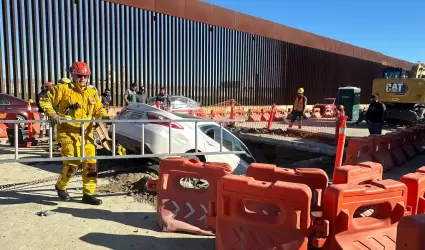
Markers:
point(349, 97)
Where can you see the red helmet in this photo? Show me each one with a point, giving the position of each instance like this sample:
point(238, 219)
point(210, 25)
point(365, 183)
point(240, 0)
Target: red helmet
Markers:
point(48, 84)
point(81, 69)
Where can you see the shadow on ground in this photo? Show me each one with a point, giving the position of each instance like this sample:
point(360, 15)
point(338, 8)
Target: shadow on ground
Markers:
point(138, 220)
point(113, 241)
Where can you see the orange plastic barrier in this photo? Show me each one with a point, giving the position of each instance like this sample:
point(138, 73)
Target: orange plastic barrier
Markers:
point(417, 140)
point(405, 138)
point(316, 113)
point(328, 113)
point(265, 115)
point(280, 115)
point(415, 183)
point(341, 204)
point(218, 114)
point(254, 115)
point(315, 178)
point(240, 228)
point(410, 233)
point(362, 173)
point(239, 114)
point(395, 150)
point(358, 150)
point(199, 113)
point(381, 151)
point(185, 209)
point(307, 113)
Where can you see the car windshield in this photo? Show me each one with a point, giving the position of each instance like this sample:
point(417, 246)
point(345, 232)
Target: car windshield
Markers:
point(329, 101)
point(230, 142)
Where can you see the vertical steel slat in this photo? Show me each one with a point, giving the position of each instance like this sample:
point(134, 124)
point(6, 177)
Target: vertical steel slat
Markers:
point(272, 86)
point(158, 44)
point(178, 55)
point(80, 31)
point(36, 42)
point(139, 45)
point(191, 58)
point(204, 69)
point(198, 62)
point(249, 95)
point(89, 51)
point(216, 56)
point(254, 95)
point(160, 29)
point(97, 61)
point(240, 58)
point(123, 48)
point(135, 46)
point(62, 40)
point(74, 29)
point(67, 35)
point(172, 42)
point(42, 42)
point(24, 80)
point(85, 45)
point(183, 81)
point(208, 62)
point(29, 26)
point(142, 39)
point(115, 82)
point(226, 64)
point(221, 76)
point(15, 45)
point(126, 56)
point(131, 40)
point(105, 44)
point(155, 53)
point(103, 33)
point(1, 51)
point(167, 54)
point(263, 68)
point(240, 95)
point(56, 56)
point(48, 41)
point(149, 51)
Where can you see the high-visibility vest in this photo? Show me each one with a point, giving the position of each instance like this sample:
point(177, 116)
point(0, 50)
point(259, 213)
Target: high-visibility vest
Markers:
point(299, 104)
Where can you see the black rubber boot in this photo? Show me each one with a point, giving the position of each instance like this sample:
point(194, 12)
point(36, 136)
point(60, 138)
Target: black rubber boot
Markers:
point(63, 194)
point(91, 200)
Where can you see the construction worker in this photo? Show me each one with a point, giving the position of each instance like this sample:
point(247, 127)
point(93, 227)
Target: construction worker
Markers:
point(75, 101)
point(375, 115)
point(298, 109)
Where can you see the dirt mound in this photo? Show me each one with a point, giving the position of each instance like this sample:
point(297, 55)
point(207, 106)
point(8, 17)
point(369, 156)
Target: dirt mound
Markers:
point(132, 184)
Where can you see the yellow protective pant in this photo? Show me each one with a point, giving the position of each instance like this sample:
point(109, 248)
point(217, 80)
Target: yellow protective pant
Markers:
point(73, 149)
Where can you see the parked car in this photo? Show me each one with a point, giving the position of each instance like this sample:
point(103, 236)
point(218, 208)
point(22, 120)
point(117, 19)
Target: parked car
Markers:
point(182, 137)
point(179, 103)
point(327, 103)
point(15, 108)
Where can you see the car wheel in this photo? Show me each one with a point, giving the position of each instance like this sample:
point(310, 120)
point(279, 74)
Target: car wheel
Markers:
point(21, 118)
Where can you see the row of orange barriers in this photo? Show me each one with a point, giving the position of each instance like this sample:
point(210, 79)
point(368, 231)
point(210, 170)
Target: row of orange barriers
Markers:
point(391, 150)
point(279, 208)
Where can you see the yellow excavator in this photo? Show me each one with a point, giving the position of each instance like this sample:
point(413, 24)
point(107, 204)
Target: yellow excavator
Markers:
point(403, 93)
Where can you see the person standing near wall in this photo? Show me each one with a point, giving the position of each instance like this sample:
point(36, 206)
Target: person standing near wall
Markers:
point(298, 108)
point(142, 97)
point(131, 94)
point(375, 115)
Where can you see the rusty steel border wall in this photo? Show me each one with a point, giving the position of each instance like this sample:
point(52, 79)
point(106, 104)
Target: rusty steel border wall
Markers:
point(196, 49)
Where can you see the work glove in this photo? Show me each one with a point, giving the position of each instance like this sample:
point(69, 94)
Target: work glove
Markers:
point(55, 119)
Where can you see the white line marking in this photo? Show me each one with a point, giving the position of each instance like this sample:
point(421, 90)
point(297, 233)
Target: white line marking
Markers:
point(205, 212)
point(177, 208)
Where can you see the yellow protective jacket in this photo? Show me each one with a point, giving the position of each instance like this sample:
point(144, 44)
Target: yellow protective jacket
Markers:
point(91, 108)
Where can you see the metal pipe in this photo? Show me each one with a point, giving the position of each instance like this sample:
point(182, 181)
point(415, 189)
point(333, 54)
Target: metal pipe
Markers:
point(16, 143)
point(221, 137)
point(117, 157)
point(196, 137)
point(113, 140)
point(50, 141)
point(143, 139)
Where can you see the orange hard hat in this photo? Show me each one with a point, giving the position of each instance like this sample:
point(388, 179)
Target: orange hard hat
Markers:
point(80, 68)
point(48, 84)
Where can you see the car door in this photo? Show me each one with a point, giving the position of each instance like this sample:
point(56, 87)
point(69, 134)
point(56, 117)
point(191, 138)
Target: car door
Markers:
point(212, 144)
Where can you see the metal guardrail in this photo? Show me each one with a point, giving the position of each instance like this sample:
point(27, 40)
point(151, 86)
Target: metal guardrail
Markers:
point(114, 156)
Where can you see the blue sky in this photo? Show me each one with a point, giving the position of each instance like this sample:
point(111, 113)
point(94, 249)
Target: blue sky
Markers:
point(394, 28)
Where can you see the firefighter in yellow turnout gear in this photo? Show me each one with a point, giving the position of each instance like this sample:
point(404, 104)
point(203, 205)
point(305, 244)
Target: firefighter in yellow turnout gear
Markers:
point(75, 102)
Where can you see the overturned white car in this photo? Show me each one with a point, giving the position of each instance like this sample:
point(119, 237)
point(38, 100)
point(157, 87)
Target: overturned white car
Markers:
point(156, 137)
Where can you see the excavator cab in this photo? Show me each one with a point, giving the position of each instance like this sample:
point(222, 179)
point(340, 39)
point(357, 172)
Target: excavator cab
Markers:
point(418, 70)
point(395, 73)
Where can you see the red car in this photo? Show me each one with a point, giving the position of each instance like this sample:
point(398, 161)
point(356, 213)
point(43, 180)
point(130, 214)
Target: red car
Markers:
point(327, 103)
point(15, 108)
